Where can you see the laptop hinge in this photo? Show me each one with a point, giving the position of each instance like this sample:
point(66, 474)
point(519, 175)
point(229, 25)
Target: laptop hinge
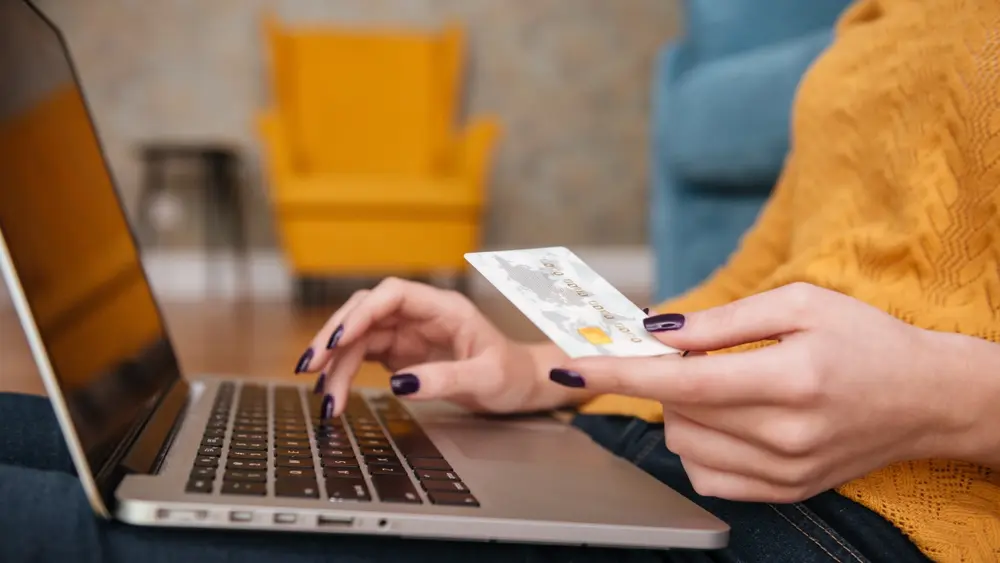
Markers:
point(150, 447)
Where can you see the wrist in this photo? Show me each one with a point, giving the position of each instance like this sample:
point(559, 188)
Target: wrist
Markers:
point(967, 377)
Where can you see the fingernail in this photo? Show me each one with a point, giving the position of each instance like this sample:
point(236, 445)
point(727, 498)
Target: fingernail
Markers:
point(335, 337)
point(303, 364)
point(566, 377)
point(404, 384)
point(664, 322)
point(319, 384)
point(645, 310)
point(327, 406)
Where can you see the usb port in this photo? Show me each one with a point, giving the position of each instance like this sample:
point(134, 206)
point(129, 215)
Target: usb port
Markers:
point(241, 516)
point(284, 518)
point(327, 520)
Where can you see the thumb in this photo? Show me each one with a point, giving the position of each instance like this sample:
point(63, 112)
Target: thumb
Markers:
point(442, 380)
point(771, 315)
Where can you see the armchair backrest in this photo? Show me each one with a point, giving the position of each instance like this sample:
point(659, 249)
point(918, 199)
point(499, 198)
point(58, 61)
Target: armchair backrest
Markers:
point(364, 101)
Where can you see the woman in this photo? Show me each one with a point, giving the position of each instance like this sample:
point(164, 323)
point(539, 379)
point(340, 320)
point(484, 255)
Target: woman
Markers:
point(891, 396)
point(853, 417)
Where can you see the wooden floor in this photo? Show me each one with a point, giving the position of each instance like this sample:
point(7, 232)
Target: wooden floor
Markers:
point(256, 340)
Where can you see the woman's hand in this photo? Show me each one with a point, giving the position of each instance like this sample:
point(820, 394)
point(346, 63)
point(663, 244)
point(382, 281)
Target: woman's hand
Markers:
point(846, 390)
point(439, 345)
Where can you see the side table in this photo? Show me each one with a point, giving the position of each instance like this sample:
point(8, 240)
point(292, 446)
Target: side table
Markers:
point(221, 189)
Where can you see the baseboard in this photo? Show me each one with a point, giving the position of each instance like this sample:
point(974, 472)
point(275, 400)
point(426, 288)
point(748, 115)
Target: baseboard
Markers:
point(184, 275)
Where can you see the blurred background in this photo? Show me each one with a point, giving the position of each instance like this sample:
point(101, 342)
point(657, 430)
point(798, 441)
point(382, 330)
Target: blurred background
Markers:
point(266, 148)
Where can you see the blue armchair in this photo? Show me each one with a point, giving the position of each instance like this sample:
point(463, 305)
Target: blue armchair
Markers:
point(722, 95)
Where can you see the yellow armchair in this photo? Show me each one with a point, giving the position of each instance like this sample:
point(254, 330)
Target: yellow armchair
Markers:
point(367, 172)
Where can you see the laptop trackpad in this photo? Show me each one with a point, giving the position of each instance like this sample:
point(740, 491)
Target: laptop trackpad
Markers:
point(513, 442)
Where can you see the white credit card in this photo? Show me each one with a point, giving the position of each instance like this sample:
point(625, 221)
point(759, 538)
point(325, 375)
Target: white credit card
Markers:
point(574, 306)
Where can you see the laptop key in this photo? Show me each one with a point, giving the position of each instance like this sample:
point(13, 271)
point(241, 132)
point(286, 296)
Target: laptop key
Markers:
point(395, 488)
point(291, 436)
point(249, 445)
point(431, 475)
point(215, 433)
point(246, 464)
point(293, 452)
point(203, 472)
point(291, 443)
point(452, 499)
point(347, 489)
point(295, 473)
point(429, 463)
point(255, 476)
point(373, 443)
point(198, 485)
point(445, 486)
point(333, 443)
point(215, 442)
point(382, 460)
point(293, 462)
point(297, 487)
point(339, 462)
point(249, 428)
point(247, 454)
point(244, 488)
point(337, 452)
point(250, 436)
point(386, 470)
point(378, 451)
point(210, 450)
point(342, 472)
point(206, 461)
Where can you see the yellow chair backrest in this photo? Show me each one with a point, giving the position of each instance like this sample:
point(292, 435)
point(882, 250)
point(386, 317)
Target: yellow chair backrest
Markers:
point(355, 101)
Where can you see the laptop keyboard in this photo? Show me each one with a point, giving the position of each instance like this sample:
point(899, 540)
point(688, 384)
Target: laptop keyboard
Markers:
point(272, 441)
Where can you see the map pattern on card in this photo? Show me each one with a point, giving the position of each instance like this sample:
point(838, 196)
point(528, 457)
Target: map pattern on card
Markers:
point(571, 303)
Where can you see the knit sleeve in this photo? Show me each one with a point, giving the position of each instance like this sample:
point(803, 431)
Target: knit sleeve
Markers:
point(761, 250)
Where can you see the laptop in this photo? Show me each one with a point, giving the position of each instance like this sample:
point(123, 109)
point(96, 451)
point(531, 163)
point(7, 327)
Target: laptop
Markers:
point(154, 446)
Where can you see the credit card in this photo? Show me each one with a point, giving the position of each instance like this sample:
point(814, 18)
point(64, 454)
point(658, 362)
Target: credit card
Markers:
point(573, 305)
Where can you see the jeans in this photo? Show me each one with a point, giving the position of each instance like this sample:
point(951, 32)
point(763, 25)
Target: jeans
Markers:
point(44, 516)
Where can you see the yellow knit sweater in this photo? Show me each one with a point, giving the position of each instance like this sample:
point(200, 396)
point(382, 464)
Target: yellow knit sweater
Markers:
point(891, 194)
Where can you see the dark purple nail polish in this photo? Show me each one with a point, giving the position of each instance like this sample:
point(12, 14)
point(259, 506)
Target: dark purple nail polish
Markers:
point(566, 377)
point(664, 322)
point(303, 364)
point(319, 384)
point(645, 310)
point(335, 337)
point(404, 384)
point(327, 406)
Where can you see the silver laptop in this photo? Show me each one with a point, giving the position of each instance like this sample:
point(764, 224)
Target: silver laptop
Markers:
point(155, 448)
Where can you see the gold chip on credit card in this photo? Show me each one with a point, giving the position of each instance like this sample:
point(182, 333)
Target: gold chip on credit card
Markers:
point(595, 335)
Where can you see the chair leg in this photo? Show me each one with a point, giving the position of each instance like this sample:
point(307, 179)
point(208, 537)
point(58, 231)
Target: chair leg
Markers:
point(306, 292)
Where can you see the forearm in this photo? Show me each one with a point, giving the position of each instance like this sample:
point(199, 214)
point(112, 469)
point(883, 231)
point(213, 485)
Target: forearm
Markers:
point(969, 374)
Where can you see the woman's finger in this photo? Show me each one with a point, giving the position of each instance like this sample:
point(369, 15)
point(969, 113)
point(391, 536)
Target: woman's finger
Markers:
point(710, 482)
point(321, 348)
point(746, 378)
point(413, 301)
point(770, 315)
point(342, 372)
point(726, 453)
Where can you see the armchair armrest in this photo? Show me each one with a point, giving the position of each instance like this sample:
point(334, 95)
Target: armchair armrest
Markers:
point(474, 151)
point(277, 152)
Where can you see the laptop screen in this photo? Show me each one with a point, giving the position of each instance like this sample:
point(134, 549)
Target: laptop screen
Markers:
point(71, 245)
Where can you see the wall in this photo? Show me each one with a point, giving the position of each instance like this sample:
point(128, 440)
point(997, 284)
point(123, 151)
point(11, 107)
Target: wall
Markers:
point(569, 78)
